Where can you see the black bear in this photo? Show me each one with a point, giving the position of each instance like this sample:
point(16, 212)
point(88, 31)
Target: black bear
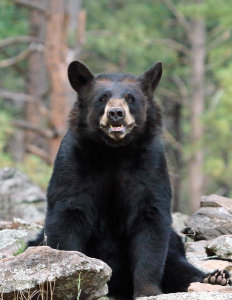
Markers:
point(109, 195)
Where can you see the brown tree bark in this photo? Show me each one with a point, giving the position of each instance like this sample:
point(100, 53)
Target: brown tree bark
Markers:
point(36, 84)
point(177, 117)
point(197, 58)
point(47, 67)
point(55, 55)
point(194, 28)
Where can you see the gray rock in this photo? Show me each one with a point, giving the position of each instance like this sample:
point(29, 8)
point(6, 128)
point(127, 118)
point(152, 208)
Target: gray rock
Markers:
point(221, 247)
point(191, 296)
point(198, 246)
point(13, 239)
point(213, 219)
point(178, 222)
point(207, 265)
point(216, 201)
point(197, 256)
point(198, 259)
point(19, 197)
point(8, 236)
point(39, 268)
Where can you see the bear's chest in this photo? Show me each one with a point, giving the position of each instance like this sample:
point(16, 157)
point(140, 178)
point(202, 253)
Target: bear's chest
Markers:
point(118, 195)
point(118, 190)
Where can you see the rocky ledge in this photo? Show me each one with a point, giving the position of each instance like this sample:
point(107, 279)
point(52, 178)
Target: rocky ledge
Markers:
point(53, 274)
point(191, 296)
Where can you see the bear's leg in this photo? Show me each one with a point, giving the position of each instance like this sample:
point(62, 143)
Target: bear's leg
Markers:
point(68, 229)
point(179, 273)
point(114, 253)
point(68, 225)
point(148, 251)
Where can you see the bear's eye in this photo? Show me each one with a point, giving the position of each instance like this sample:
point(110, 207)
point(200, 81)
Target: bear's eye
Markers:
point(129, 98)
point(103, 98)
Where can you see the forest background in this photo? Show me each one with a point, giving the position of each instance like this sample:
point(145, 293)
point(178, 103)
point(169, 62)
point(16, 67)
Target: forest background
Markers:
point(192, 38)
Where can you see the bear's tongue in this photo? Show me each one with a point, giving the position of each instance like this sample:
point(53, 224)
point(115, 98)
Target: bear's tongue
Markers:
point(116, 128)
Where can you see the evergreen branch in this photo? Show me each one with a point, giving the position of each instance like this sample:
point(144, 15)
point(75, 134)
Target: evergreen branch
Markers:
point(21, 56)
point(171, 140)
point(179, 16)
point(17, 96)
point(181, 87)
point(218, 41)
point(174, 45)
point(31, 5)
point(38, 152)
point(47, 133)
point(19, 39)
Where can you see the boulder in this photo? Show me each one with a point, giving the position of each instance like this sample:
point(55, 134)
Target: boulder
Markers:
point(53, 274)
point(216, 201)
point(14, 235)
point(212, 219)
point(221, 247)
point(191, 296)
point(20, 197)
point(206, 264)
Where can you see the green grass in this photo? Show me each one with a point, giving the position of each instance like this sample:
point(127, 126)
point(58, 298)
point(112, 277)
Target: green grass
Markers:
point(79, 286)
point(21, 247)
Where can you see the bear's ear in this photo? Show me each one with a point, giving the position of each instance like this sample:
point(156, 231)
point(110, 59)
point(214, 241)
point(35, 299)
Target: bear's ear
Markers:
point(151, 78)
point(79, 75)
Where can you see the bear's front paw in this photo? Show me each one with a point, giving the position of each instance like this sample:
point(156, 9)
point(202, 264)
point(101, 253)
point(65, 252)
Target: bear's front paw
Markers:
point(218, 277)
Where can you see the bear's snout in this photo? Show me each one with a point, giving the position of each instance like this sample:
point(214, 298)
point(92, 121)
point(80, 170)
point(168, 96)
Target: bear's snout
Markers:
point(116, 114)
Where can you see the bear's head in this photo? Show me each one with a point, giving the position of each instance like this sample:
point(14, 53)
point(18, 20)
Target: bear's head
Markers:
point(115, 109)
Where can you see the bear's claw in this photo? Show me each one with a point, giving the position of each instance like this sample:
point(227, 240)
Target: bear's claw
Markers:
point(218, 277)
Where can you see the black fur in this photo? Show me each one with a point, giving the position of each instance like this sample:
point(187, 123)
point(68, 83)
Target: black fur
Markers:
point(111, 199)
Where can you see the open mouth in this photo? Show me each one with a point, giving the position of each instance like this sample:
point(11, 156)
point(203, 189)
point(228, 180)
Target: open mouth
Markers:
point(117, 131)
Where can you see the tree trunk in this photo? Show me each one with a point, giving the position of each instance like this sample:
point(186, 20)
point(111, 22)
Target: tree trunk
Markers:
point(198, 55)
point(177, 117)
point(55, 55)
point(74, 7)
point(36, 78)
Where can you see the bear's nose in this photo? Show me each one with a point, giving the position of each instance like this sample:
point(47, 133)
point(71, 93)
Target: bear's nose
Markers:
point(115, 113)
